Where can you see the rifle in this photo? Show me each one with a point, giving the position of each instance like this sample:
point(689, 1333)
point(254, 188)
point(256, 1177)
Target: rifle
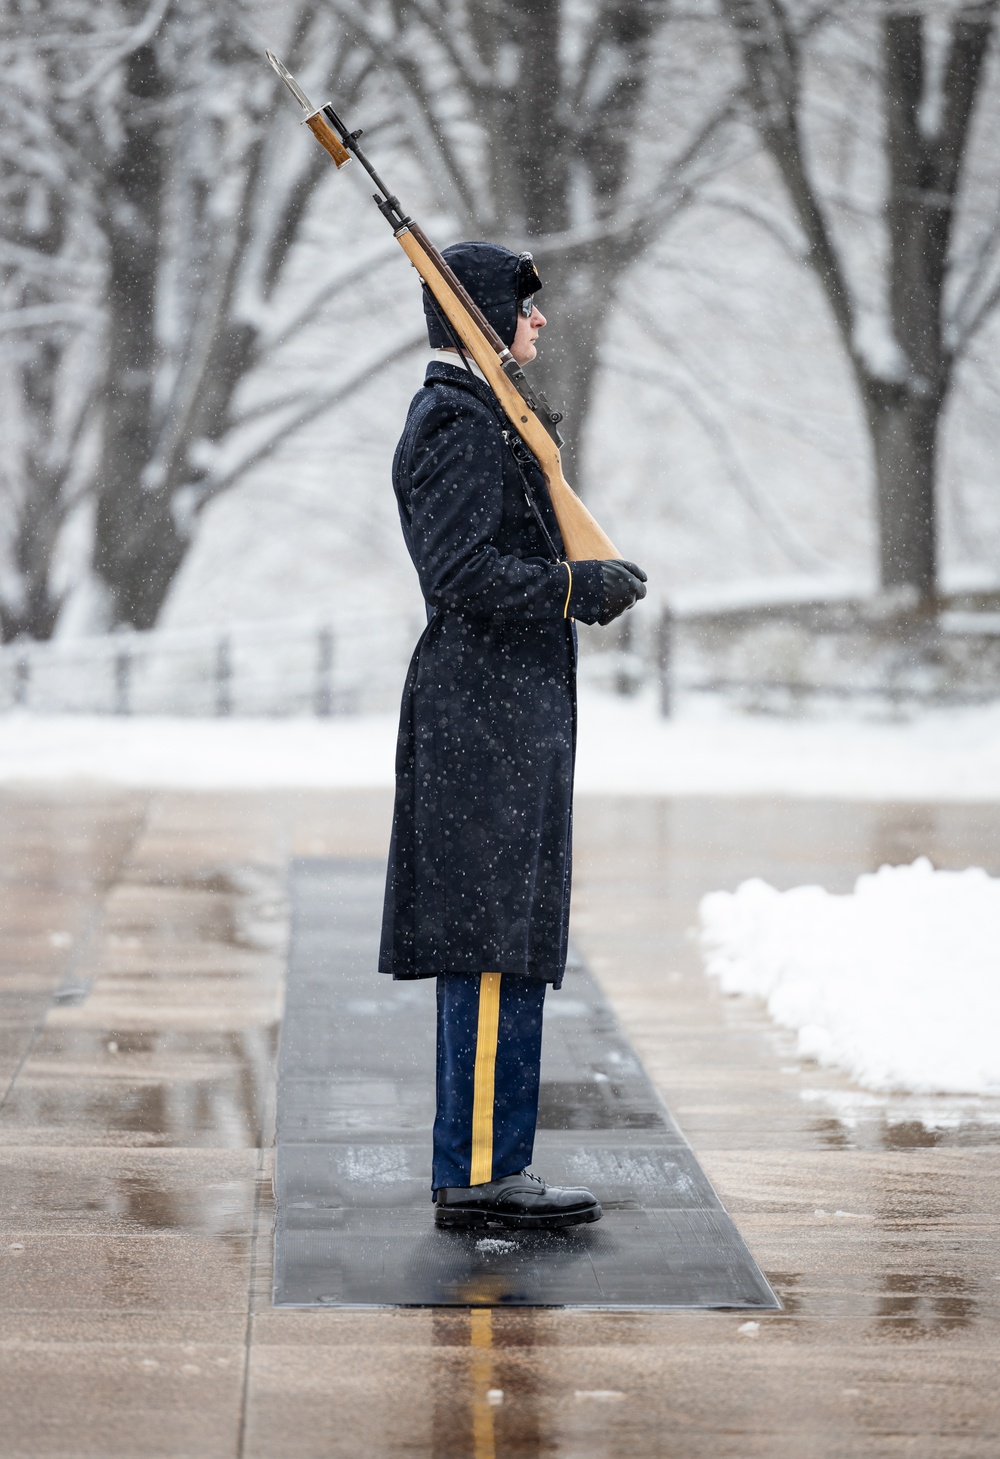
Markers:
point(527, 409)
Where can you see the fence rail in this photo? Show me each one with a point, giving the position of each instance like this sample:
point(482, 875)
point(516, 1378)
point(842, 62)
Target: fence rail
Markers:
point(355, 666)
point(777, 657)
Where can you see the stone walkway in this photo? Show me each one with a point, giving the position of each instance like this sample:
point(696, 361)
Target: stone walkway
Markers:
point(143, 947)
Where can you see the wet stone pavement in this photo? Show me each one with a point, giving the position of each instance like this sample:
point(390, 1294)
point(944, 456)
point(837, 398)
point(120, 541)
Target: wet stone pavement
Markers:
point(143, 942)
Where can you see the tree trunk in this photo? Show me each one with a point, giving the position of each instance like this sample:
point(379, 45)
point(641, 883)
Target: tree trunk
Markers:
point(35, 610)
point(925, 161)
point(575, 300)
point(558, 147)
point(904, 434)
point(32, 608)
point(925, 144)
point(137, 545)
point(30, 604)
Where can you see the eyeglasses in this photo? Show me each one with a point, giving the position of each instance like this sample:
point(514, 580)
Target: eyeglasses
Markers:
point(526, 284)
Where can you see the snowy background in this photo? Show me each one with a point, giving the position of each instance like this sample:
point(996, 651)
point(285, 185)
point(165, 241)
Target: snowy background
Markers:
point(724, 451)
point(725, 443)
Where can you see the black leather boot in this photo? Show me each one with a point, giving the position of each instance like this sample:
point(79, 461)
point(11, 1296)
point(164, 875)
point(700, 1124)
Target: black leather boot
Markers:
point(522, 1201)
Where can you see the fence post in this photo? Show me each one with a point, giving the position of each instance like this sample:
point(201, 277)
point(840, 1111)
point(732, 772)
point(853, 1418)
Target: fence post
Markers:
point(624, 683)
point(22, 679)
point(223, 677)
point(123, 681)
point(664, 660)
point(324, 672)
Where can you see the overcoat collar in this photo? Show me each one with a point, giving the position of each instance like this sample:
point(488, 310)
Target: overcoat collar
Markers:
point(458, 375)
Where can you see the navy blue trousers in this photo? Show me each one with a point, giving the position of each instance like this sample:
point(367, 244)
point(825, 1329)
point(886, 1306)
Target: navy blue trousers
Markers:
point(489, 1048)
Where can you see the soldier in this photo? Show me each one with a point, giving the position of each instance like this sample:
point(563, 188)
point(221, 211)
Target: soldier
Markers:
point(478, 885)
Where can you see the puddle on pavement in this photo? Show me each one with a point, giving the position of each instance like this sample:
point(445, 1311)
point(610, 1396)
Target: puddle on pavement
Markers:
point(913, 1134)
point(593, 1105)
point(239, 907)
point(148, 1087)
point(148, 1203)
point(871, 1134)
point(491, 1404)
point(498, 1395)
point(88, 1196)
point(923, 1304)
point(832, 1133)
point(861, 1120)
point(910, 1135)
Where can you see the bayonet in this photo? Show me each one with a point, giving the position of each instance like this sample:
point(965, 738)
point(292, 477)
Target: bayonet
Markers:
point(292, 84)
point(321, 120)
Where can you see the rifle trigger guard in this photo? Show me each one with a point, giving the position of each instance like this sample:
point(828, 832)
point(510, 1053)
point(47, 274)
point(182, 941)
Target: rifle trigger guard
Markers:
point(517, 447)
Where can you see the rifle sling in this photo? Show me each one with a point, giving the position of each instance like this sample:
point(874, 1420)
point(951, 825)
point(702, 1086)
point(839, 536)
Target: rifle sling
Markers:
point(515, 445)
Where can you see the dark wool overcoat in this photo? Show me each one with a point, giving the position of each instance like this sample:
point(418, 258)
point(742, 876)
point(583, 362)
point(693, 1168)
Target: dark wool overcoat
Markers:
point(479, 864)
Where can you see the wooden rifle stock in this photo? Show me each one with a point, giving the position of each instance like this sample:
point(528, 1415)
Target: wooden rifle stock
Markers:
point(582, 536)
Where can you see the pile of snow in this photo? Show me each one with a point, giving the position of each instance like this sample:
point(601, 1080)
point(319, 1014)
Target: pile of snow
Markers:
point(624, 748)
point(897, 983)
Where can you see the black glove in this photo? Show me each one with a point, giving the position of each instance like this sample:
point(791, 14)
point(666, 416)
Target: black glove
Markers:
point(624, 584)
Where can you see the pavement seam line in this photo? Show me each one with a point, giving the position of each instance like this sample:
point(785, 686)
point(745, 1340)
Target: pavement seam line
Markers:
point(251, 1286)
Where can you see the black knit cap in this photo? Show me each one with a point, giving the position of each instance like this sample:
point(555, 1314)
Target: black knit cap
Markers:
point(497, 280)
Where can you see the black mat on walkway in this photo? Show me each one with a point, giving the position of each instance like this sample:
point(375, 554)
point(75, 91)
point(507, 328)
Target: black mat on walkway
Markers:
point(355, 1109)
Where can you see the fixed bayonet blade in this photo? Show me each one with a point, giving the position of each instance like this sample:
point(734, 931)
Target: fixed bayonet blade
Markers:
point(292, 84)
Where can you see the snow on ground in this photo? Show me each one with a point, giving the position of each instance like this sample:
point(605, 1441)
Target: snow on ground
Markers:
point(897, 983)
point(713, 749)
point(624, 748)
point(199, 754)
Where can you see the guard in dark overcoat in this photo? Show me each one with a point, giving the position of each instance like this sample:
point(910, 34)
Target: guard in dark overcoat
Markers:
point(478, 885)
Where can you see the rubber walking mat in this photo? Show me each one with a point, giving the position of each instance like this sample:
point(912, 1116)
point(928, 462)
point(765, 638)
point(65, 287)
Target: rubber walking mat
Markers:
point(355, 1110)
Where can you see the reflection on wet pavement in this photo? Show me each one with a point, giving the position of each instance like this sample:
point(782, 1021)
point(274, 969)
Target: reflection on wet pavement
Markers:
point(60, 1192)
point(925, 1305)
point(857, 1119)
point(563, 1105)
point(58, 855)
point(135, 1179)
point(141, 1087)
point(914, 1135)
point(501, 1414)
point(831, 1132)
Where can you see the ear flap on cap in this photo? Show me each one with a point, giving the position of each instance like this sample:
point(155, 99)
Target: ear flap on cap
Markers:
point(526, 280)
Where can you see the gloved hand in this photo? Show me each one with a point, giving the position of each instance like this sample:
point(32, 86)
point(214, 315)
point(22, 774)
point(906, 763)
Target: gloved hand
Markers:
point(624, 584)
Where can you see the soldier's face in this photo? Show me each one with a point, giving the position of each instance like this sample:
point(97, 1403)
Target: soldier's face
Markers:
point(525, 336)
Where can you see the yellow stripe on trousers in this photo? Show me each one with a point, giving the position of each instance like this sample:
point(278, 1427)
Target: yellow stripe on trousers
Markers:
point(484, 1077)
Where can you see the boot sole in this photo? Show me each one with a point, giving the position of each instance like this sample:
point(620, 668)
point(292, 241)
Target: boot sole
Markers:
point(455, 1217)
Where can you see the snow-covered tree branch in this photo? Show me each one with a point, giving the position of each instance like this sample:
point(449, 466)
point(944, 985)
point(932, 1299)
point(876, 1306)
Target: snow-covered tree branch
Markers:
point(151, 210)
point(565, 128)
point(929, 86)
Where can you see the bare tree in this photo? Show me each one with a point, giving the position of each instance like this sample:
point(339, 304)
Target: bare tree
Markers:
point(152, 212)
point(925, 69)
point(540, 123)
point(155, 207)
point(50, 264)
